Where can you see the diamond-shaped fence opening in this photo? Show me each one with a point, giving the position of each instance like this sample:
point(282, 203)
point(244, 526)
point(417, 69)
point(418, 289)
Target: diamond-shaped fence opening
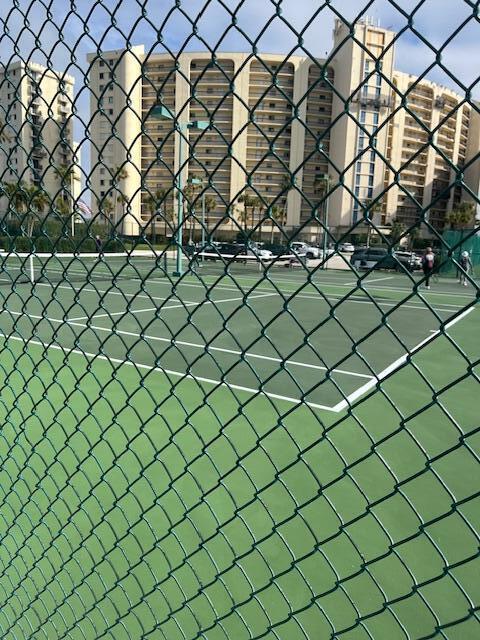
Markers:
point(239, 271)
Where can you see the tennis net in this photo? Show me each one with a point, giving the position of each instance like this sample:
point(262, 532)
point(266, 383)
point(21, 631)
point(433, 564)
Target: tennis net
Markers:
point(22, 268)
point(213, 263)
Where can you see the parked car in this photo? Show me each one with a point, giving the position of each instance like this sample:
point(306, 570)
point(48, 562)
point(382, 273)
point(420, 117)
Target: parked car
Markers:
point(278, 249)
point(346, 247)
point(229, 249)
point(380, 258)
point(410, 257)
point(307, 250)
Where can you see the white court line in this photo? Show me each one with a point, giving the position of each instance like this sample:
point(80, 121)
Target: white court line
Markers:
point(395, 365)
point(195, 345)
point(343, 404)
point(419, 304)
point(167, 372)
point(314, 282)
point(172, 306)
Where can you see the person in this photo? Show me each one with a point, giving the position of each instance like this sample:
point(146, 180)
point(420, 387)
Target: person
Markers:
point(428, 263)
point(467, 266)
point(99, 245)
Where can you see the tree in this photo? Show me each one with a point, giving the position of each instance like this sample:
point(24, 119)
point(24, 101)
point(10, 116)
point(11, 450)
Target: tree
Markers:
point(412, 236)
point(246, 214)
point(156, 205)
point(26, 200)
point(321, 188)
point(120, 174)
point(66, 174)
point(277, 214)
point(462, 216)
point(106, 208)
point(210, 204)
point(397, 231)
point(370, 207)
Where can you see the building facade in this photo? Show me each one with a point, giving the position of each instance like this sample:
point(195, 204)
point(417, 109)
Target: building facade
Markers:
point(299, 133)
point(35, 117)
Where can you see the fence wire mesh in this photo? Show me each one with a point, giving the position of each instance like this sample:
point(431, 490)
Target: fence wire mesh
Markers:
point(218, 419)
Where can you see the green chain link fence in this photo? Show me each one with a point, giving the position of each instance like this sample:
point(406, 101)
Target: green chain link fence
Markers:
point(198, 439)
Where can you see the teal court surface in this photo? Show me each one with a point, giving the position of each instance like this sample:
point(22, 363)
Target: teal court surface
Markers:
point(237, 455)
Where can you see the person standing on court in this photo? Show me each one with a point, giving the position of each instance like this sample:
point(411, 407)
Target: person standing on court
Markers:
point(428, 262)
point(99, 245)
point(467, 267)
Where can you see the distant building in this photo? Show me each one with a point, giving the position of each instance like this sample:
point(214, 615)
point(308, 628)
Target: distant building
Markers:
point(357, 120)
point(35, 111)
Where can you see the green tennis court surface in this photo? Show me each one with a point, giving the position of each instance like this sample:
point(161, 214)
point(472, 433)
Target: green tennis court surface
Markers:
point(183, 461)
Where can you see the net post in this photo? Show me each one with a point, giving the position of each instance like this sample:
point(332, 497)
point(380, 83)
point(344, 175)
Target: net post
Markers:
point(31, 268)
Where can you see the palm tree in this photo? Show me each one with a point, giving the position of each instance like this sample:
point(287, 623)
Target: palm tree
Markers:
point(210, 204)
point(66, 174)
point(249, 202)
point(120, 174)
point(321, 188)
point(15, 194)
point(370, 207)
point(277, 214)
point(396, 232)
point(35, 201)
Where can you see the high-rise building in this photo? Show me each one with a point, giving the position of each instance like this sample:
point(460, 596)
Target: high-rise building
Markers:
point(36, 127)
point(285, 129)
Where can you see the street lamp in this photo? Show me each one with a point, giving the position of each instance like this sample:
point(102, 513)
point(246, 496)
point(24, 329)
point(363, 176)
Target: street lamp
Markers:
point(326, 180)
point(161, 112)
point(198, 181)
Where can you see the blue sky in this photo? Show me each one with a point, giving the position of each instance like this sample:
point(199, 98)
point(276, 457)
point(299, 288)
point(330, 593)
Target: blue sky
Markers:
point(63, 32)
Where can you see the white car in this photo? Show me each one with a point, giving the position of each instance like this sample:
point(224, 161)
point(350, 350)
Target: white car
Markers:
point(346, 247)
point(307, 250)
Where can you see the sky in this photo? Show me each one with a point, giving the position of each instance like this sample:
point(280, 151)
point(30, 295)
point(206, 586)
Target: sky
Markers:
point(442, 33)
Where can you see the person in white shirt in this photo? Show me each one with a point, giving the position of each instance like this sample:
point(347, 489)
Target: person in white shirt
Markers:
point(428, 262)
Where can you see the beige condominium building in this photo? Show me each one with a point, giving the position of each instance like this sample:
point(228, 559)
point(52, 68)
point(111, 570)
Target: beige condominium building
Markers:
point(35, 115)
point(284, 129)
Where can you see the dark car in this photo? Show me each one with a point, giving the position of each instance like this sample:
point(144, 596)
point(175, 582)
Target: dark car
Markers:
point(380, 258)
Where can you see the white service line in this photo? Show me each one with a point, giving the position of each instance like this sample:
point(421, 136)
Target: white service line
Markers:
point(395, 365)
point(172, 306)
point(417, 306)
point(167, 372)
point(195, 345)
point(420, 305)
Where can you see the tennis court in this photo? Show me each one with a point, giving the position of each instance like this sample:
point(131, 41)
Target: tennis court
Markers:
point(185, 443)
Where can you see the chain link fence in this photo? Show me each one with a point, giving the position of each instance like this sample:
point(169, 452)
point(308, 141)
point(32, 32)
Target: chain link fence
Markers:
point(235, 402)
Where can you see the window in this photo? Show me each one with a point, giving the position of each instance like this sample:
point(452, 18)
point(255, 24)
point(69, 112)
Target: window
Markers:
point(102, 193)
point(370, 181)
point(102, 63)
point(101, 76)
point(110, 111)
point(363, 116)
point(272, 105)
point(102, 182)
point(110, 100)
point(101, 87)
point(102, 170)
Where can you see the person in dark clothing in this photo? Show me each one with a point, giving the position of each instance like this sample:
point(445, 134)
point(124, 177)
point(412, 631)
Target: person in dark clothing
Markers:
point(99, 245)
point(428, 263)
